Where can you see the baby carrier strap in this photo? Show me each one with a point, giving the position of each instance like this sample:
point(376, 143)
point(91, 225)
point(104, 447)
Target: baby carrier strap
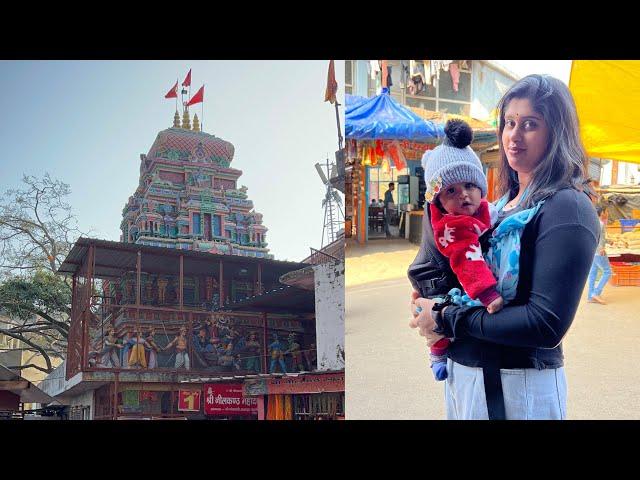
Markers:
point(504, 251)
point(430, 273)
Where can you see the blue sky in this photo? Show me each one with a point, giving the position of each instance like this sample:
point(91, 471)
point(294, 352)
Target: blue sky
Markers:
point(87, 122)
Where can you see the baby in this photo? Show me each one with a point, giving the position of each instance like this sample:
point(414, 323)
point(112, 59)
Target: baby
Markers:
point(456, 187)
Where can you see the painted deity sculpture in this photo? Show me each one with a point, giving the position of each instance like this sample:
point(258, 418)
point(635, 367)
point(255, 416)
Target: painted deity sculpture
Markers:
point(180, 343)
point(162, 289)
point(253, 349)
point(276, 349)
point(294, 351)
point(137, 357)
point(152, 349)
point(110, 353)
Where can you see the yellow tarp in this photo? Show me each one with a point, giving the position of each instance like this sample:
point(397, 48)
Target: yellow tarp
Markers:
point(607, 96)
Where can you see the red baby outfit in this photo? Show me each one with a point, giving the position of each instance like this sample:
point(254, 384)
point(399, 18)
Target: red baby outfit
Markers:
point(457, 239)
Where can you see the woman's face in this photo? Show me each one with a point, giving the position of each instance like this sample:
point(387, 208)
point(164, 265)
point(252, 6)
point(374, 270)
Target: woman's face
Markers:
point(525, 136)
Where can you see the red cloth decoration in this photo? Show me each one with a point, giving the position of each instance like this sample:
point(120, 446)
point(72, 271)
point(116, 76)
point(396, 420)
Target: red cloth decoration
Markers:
point(197, 98)
point(332, 85)
point(187, 80)
point(173, 93)
point(397, 157)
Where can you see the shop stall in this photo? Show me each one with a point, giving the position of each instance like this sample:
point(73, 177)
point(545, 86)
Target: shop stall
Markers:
point(623, 232)
point(385, 142)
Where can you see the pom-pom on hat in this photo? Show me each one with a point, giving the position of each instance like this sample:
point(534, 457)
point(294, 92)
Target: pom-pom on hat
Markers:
point(453, 161)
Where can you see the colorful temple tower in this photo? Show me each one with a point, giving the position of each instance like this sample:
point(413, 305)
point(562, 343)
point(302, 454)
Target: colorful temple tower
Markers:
point(188, 197)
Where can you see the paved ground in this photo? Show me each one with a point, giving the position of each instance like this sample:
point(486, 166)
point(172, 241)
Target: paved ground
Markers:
point(387, 366)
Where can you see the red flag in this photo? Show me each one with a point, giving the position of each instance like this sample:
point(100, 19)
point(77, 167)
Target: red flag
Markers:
point(197, 98)
point(187, 80)
point(332, 85)
point(173, 93)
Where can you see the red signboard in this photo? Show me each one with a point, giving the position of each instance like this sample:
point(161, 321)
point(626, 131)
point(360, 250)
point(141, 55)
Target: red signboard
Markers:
point(189, 400)
point(227, 399)
point(330, 382)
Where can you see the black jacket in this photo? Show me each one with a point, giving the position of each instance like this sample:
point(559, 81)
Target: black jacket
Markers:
point(557, 249)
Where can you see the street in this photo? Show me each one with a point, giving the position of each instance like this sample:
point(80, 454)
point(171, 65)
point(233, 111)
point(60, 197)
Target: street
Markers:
point(388, 375)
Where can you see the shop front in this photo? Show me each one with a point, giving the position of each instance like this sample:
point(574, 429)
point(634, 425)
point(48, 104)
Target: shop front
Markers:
point(308, 396)
point(622, 203)
point(381, 134)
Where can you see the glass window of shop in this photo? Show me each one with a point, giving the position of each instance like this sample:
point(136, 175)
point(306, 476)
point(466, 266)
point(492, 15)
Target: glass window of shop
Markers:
point(440, 97)
point(348, 76)
point(379, 180)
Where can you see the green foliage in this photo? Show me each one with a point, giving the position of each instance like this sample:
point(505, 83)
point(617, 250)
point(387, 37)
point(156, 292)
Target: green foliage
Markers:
point(41, 292)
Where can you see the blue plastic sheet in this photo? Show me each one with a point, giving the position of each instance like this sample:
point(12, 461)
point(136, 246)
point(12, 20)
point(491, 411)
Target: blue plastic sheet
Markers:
point(381, 117)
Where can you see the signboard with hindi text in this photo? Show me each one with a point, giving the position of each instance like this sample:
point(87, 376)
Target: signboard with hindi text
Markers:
point(330, 382)
point(228, 399)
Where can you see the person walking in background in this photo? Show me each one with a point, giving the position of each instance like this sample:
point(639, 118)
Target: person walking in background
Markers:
point(600, 262)
point(388, 206)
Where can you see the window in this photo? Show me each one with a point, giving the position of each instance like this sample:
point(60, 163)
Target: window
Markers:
point(445, 87)
point(216, 225)
point(348, 76)
point(196, 224)
point(439, 97)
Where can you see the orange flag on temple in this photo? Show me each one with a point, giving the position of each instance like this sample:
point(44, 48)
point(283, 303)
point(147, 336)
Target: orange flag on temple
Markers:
point(173, 93)
point(332, 85)
point(197, 98)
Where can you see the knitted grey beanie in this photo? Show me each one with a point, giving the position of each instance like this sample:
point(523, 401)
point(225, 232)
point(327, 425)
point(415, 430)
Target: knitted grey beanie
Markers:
point(453, 161)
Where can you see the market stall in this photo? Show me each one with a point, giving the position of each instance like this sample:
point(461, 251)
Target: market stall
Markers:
point(623, 232)
point(388, 139)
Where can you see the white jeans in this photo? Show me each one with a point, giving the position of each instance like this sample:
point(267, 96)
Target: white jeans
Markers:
point(529, 394)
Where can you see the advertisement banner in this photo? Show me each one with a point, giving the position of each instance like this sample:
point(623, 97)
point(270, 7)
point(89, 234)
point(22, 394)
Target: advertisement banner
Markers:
point(189, 400)
point(306, 384)
point(227, 399)
point(254, 387)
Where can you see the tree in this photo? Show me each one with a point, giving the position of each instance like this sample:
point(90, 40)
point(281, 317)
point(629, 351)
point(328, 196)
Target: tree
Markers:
point(37, 226)
point(37, 231)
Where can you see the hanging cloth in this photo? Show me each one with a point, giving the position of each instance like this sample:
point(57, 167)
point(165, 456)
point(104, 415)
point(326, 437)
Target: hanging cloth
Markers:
point(288, 407)
point(374, 68)
point(427, 71)
point(395, 151)
point(455, 76)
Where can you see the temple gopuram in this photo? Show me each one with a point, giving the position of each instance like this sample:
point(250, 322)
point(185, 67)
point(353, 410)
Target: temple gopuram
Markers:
point(188, 197)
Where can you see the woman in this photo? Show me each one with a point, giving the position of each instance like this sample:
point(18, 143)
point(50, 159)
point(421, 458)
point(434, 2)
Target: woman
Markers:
point(510, 364)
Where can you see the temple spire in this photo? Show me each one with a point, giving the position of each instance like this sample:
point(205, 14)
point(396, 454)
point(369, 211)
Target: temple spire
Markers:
point(186, 123)
point(196, 124)
point(176, 120)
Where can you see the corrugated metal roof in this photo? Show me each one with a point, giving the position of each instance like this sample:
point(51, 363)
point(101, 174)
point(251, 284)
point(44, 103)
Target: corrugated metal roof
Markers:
point(115, 258)
point(31, 394)
point(263, 376)
point(286, 299)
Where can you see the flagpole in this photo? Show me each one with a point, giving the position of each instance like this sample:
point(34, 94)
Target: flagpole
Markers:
point(338, 122)
point(202, 112)
point(177, 80)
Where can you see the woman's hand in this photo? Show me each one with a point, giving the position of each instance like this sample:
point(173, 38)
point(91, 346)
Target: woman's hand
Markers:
point(423, 320)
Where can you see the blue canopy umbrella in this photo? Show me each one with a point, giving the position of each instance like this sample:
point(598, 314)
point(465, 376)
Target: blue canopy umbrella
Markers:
point(382, 118)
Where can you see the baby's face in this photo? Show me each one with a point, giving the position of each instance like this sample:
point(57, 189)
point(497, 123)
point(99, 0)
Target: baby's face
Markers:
point(461, 198)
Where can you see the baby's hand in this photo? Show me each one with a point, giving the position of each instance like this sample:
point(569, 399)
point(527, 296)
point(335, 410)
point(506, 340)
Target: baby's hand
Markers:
point(496, 305)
